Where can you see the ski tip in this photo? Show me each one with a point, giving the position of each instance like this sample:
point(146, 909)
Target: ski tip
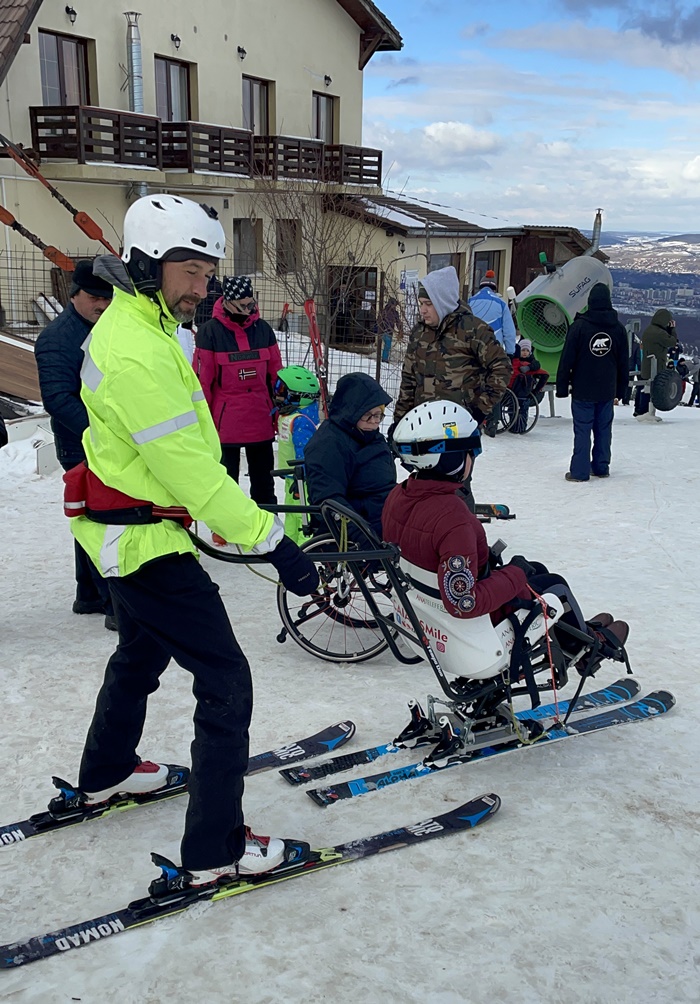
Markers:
point(477, 809)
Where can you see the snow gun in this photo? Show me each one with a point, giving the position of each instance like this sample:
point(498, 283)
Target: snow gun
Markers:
point(546, 308)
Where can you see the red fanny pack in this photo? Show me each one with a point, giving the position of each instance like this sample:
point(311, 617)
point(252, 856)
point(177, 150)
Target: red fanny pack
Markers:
point(85, 495)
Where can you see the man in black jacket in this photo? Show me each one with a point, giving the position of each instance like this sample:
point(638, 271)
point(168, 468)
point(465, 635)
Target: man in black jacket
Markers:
point(594, 364)
point(59, 358)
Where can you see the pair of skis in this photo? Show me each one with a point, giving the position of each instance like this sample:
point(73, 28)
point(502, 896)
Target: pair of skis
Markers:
point(172, 893)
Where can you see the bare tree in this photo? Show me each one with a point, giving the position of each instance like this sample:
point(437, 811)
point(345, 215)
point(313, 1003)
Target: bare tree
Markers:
point(317, 243)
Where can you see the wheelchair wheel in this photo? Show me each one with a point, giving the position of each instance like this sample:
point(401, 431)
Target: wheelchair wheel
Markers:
point(533, 412)
point(506, 412)
point(336, 623)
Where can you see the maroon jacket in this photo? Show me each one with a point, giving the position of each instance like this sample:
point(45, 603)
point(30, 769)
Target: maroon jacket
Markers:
point(237, 366)
point(434, 530)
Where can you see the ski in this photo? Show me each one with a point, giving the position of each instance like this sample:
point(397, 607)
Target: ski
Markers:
point(66, 809)
point(617, 693)
point(496, 509)
point(651, 706)
point(317, 349)
point(171, 893)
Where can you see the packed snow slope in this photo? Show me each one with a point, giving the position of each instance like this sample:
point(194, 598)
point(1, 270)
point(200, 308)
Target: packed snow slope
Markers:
point(582, 889)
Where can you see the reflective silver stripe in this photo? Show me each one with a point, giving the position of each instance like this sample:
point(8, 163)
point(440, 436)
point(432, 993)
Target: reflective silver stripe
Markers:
point(164, 428)
point(198, 395)
point(73, 505)
point(89, 373)
point(109, 552)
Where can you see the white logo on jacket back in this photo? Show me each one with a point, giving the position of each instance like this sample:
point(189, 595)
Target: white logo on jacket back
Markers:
point(600, 344)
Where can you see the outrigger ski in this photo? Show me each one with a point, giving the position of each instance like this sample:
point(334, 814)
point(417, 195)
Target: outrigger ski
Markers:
point(172, 893)
point(69, 807)
point(651, 706)
point(617, 693)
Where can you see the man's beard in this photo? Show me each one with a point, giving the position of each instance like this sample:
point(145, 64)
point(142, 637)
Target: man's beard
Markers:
point(183, 314)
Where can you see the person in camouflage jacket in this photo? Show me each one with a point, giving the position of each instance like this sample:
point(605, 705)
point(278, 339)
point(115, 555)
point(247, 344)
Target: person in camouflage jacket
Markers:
point(452, 355)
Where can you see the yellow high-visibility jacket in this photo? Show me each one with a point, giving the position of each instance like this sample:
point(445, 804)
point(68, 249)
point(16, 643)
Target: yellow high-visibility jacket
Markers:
point(152, 437)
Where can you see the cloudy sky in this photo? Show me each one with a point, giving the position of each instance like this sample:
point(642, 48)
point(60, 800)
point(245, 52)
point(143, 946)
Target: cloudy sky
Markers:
point(539, 111)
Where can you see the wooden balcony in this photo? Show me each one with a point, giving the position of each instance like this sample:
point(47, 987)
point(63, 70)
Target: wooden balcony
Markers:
point(88, 135)
point(198, 147)
point(353, 165)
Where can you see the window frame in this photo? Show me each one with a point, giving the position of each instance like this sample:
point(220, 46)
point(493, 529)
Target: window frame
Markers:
point(248, 104)
point(81, 45)
point(282, 255)
point(493, 259)
point(329, 101)
point(168, 62)
point(239, 261)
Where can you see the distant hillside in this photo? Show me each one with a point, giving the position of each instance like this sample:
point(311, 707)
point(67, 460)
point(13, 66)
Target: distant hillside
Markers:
point(680, 239)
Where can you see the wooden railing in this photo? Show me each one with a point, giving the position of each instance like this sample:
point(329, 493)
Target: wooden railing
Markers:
point(353, 165)
point(198, 147)
point(87, 135)
point(286, 157)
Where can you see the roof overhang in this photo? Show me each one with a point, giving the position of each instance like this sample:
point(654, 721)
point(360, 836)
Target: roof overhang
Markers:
point(16, 17)
point(378, 33)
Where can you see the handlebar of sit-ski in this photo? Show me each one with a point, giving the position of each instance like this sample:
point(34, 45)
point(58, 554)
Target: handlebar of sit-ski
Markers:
point(221, 554)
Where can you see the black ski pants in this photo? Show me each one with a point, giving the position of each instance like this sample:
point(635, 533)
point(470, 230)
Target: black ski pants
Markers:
point(261, 461)
point(171, 609)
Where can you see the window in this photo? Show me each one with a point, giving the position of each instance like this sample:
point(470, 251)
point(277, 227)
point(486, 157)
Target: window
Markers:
point(323, 125)
point(64, 70)
point(247, 246)
point(443, 260)
point(256, 106)
point(483, 261)
point(287, 244)
point(172, 90)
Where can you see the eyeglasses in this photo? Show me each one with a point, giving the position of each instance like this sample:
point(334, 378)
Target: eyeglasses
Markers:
point(373, 416)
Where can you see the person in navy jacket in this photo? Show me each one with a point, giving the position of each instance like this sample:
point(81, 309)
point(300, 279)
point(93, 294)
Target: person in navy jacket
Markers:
point(59, 358)
point(347, 458)
point(594, 367)
point(237, 359)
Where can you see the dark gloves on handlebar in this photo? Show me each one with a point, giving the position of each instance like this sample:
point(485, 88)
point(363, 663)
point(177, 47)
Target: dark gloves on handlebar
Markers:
point(296, 570)
point(523, 564)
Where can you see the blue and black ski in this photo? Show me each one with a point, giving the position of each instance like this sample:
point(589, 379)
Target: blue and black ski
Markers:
point(171, 893)
point(617, 693)
point(66, 809)
point(651, 706)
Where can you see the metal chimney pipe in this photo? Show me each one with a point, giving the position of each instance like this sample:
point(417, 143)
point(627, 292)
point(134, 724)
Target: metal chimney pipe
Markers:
point(134, 63)
point(135, 68)
point(595, 236)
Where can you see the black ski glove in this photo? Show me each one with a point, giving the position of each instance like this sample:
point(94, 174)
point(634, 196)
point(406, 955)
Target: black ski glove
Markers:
point(519, 562)
point(296, 570)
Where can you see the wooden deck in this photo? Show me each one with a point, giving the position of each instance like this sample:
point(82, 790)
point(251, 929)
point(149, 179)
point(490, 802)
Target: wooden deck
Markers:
point(18, 372)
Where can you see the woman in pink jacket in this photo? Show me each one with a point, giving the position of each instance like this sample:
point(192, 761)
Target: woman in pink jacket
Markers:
point(237, 359)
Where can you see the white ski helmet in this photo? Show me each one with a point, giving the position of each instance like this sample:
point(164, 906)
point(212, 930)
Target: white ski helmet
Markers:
point(432, 429)
point(157, 224)
point(162, 227)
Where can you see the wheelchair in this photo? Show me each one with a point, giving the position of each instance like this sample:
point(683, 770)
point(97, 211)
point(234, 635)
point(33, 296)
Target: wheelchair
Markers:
point(508, 412)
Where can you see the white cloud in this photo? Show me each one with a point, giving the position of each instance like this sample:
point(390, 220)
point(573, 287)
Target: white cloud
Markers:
point(630, 47)
point(691, 170)
point(459, 138)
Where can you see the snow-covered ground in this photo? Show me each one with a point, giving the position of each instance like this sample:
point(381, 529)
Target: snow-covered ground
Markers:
point(583, 889)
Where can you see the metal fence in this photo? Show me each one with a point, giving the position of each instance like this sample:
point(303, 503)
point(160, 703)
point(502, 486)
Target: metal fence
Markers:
point(33, 291)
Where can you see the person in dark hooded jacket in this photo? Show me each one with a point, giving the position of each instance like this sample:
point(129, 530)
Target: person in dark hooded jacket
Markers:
point(594, 365)
point(347, 458)
point(658, 339)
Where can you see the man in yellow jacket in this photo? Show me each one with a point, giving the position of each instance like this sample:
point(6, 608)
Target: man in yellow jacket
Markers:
point(153, 458)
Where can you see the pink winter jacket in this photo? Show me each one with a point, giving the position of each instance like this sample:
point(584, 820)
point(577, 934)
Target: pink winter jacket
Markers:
point(237, 366)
